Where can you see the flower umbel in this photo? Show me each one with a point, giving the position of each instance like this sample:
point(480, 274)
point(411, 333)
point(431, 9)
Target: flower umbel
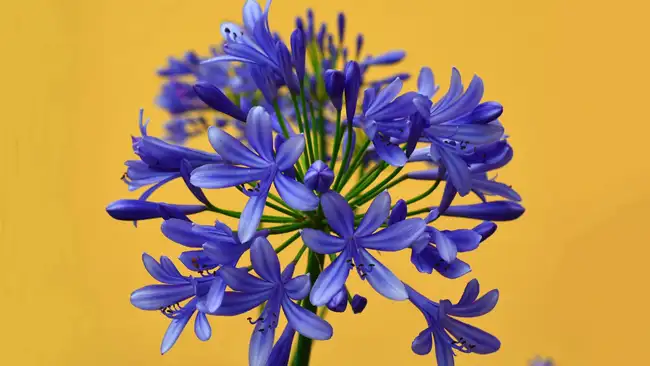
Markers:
point(318, 166)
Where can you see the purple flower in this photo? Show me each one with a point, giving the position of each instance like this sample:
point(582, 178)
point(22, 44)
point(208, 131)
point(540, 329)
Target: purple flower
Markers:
point(134, 210)
point(217, 100)
point(449, 334)
point(263, 165)
point(177, 97)
point(166, 298)
point(319, 177)
point(488, 211)
point(353, 245)
point(160, 161)
point(278, 290)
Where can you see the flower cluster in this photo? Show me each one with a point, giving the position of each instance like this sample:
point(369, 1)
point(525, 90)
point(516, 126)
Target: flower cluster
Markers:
point(318, 150)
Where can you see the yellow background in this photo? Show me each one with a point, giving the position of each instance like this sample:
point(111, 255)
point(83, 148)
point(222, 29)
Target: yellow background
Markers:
point(572, 271)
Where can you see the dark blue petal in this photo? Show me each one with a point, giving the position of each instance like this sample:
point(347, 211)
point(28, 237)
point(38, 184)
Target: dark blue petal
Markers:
point(338, 213)
point(482, 306)
point(180, 231)
point(495, 188)
point(130, 210)
point(186, 171)
point(375, 216)
point(223, 176)
point(482, 114)
point(334, 86)
point(457, 169)
point(331, 280)
point(286, 66)
point(423, 343)
point(470, 293)
point(491, 211)
point(483, 342)
point(231, 149)
point(282, 350)
point(156, 297)
point(341, 27)
point(358, 304)
point(444, 353)
point(319, 177)
point(448, 196)
point(485, 229)
point(390, 153)
point(398, 213)
point(298, 51)
point(321, 242)
point(339, 302)
point(217, 100)
point(265, 81)
point(305, 322)
point(265, 261)
point(395, 237)
point(352, 85)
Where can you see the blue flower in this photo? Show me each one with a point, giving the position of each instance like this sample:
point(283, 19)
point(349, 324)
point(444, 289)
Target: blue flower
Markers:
point(449, 334)
point(160, 161)
point(168, 296)
point(455, 125)
point(278, 290)
point(134, 210)
point(488, 211)
point(177, 98)
point(384, 115)
point(353, 245)
point(339, 302)
point(319, 177)
point(263, 165)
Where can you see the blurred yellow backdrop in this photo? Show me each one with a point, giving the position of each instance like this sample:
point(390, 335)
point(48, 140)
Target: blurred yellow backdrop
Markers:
point(572, 271)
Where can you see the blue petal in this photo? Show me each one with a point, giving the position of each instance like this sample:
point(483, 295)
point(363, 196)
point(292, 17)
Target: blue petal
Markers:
point(382, 279)
point(156, 271)
point(235, 303)
point(224, 253)
point(398, 213)
point(217, 100)
point(462, 105)
point(290, 152)
point(186, 171)
point(298, 288)
point(252, 13)
point(495, 188)
point(222, 176)
point(395, 237)
point(475, 134)
point(385, 96)
point(338, 213)
point(444, 353)
point(491, 211)
point(202, 327)
point(295, 194)
point(282, 350)
point(321, 242)
point(239, 280)
point(180, 231)
point(400, 108)
point(339, 302)
point(375, 216)
point(458, 171)
point(470, 293)
point(215, 295)
point(423, 343)
point(156, 297)
point(448, 196)
point(231, 149)
point(446, 248)
point(387, 58)
point(464, 240)
point(358, 304)
point(426, 83)
point(331, 280)
point(352, 85)
point(173, 332)
point(483, 342)
point(169, 266)
point(265, 260)
point(305, 322)
point(260, 345)
point(130, 210)
point(485, 229)
point(455, 89)
point(259, 133)
point(197, 260)
point(251, 216)
point(477, 308)
point(390, 153)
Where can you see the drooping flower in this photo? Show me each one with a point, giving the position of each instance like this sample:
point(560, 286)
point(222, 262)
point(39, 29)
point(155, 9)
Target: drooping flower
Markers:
point(353, 245)
point(160, 161)
point(263, 165)
point(278, 290)
point(449, 334)
point(487, 211)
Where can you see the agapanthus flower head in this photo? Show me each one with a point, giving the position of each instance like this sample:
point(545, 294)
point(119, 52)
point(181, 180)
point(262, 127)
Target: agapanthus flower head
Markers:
point(316, 148)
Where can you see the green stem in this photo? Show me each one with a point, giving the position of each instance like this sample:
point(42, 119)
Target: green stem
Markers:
point(286, 228)
point(300, 253)
point(323, 139)
point(419, 211)
point(337, 141)
point(303, 347)
point(367, 180)
point(236, 214)
point(358, 159)
point(301, 127)
point(346, 158)
point(425, 193)
point(285, 133)
point(315, 131)
point(310, 148)
point(383, 185)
